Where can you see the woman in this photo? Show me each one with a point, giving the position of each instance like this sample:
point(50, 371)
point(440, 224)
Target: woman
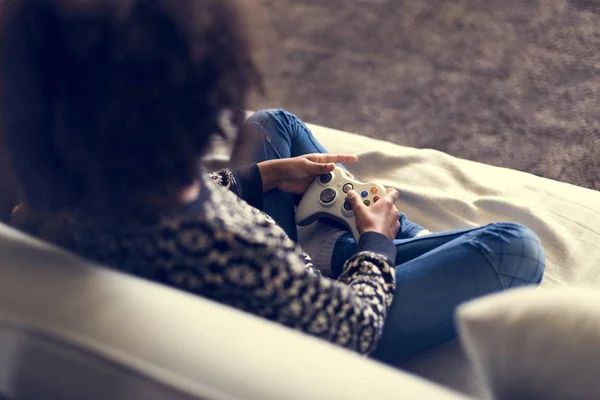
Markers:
point(106, 108)
point(434, 272)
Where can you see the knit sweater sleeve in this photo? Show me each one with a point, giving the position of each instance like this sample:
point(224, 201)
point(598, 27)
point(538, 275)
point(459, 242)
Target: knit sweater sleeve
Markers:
point(257, 268)
point(276, 279)
point(349, 312)
point(245, 182)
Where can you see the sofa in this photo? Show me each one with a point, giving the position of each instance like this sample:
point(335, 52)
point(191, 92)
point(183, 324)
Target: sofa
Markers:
point(70, 329)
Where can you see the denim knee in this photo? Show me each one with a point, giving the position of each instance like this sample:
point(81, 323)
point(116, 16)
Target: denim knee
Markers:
point(262, 117)
point(515, 252)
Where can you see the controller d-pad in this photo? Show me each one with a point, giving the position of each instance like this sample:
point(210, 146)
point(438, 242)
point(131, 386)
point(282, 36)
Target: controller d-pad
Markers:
point(347, 205)
point(327, 195)
point(325, 178)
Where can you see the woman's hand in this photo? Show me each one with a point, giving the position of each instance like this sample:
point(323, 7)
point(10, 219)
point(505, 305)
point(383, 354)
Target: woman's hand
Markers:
point(381, 217)
point(295, 174)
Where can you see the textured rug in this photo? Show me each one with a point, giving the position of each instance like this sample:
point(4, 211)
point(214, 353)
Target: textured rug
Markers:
point(507, 82)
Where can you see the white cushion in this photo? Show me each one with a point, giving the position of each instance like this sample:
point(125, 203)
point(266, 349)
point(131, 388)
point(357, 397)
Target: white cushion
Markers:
point(535, 343)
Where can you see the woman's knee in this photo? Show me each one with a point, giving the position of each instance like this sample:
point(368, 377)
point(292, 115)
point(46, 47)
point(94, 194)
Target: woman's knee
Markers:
point(515, 251)
point(286, 131)
point(262, 118)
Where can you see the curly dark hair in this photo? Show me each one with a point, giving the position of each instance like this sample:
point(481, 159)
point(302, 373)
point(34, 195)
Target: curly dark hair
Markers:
point(104, 100)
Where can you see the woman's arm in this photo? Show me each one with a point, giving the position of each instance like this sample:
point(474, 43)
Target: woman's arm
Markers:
point(292, 175)
point(255, 267)
point(245, 182)
point(349, 312)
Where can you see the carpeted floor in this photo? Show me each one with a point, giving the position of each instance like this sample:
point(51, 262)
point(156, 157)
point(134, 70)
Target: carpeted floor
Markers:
point(507, 82)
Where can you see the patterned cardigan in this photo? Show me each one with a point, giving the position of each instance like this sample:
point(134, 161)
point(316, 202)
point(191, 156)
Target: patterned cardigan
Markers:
point(223, 248)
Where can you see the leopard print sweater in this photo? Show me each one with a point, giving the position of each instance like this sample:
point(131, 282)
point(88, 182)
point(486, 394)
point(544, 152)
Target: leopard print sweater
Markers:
point(223, 249)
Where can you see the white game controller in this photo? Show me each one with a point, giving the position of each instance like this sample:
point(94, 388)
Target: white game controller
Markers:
point(326, 198)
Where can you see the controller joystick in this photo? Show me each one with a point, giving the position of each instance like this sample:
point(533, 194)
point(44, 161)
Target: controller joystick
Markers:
point(325, 178)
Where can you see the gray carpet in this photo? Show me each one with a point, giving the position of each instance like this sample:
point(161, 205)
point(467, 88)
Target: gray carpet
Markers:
point(511, 83)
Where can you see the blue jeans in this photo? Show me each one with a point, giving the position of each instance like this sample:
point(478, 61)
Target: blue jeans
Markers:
point(435, 273)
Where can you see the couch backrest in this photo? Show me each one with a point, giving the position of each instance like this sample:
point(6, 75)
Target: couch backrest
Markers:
point(72, 330)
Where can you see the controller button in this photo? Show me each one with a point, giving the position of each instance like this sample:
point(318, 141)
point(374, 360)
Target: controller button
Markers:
point(347, 187)
point(327, 195)
point(325, 178)
point(376, 199)
point(364, 193)
point(374, 190)
point(367, 203)
point(347, 205)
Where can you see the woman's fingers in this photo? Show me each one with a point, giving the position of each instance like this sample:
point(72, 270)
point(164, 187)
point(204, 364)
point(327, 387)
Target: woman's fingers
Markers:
point(323, 168)
point(332, 158)
point(392, 195)
point(355, 200)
